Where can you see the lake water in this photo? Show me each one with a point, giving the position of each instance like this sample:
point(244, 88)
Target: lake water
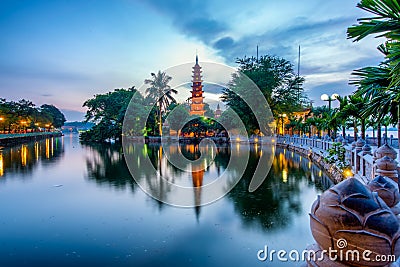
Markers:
point(67, 204)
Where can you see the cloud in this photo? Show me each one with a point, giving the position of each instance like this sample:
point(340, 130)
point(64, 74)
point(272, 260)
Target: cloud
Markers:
point(224, 43)
point(191, 18)
point(47, 95)
point(327, 59)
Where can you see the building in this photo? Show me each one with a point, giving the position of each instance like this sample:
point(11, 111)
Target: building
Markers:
point(197, 105)
point(217, 112)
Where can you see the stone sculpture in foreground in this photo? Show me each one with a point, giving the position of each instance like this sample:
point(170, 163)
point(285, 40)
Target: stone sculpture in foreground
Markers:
point(349, 217)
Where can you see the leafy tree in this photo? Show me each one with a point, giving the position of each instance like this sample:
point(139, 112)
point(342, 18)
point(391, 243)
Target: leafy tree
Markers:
point(275, 78)
point(385, 23)
point(24, 115)
point(177, 117)
point(229, 120)
point(57, 117)
point(352, 109)
point(209, 112)
point(107, 111)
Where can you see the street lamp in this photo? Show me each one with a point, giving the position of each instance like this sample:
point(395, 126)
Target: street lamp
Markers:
point(23, 123)
point(1, 120)
point(328, 98)
point(282, 116)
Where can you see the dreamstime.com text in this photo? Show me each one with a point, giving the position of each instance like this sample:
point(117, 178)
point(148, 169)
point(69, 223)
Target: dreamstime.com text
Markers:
point(333, 254)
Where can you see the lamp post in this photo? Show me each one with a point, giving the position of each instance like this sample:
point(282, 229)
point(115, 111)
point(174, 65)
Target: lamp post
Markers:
point(328, 98)
point(282, 116)
point(23, 123)
point(1, 121)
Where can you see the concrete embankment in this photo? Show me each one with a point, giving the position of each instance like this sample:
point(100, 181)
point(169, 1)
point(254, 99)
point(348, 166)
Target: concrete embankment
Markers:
point(7, 140)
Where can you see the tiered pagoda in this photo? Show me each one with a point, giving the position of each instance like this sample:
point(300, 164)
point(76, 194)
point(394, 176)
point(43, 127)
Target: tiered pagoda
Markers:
point(197, 105)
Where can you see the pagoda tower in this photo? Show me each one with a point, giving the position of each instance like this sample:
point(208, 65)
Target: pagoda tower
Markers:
point(197, 105)
point(218, 112)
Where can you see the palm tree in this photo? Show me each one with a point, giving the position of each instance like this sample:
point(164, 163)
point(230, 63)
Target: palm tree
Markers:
point(341, 116)
point(386, 23)
point(357, 103)
point(160, 92)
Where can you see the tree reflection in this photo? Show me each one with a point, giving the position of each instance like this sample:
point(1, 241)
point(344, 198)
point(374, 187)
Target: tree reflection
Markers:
point(105, 165)
point(274, 204)
point(23, 159)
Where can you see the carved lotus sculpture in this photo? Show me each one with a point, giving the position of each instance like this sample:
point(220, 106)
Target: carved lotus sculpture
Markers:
point(387, 189)
point(350, 211)
point(386, 163)
point(386, 150)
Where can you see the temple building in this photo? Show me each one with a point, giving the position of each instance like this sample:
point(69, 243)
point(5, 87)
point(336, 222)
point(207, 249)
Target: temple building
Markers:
point(197, 105)
point(218, 112)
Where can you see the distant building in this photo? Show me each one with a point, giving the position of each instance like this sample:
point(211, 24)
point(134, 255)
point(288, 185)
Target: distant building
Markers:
point(197, 105)
point(217, 112)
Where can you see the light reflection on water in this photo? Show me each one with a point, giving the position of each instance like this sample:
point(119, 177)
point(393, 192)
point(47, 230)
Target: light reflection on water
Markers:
point(97, 215)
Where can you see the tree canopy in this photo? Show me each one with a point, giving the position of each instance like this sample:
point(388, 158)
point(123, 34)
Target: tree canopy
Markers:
point(24, 115)
point(276, 79)
point(107, 111)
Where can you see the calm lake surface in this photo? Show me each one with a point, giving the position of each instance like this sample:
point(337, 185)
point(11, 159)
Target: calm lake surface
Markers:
point(67, 204)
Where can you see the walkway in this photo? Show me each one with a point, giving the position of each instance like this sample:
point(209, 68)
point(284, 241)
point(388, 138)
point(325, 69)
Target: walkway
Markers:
point(361, 161)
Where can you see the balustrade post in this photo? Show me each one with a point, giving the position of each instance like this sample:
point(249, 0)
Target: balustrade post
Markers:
point(359, 144)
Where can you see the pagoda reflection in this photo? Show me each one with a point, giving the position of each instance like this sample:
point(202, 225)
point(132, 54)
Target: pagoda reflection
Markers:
point(197, 180)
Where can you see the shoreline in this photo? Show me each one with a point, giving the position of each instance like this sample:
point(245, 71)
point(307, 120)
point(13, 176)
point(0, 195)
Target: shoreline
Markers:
point(9, 140)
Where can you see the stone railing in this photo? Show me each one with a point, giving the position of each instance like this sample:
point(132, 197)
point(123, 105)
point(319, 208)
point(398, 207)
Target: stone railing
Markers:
point(365, 161)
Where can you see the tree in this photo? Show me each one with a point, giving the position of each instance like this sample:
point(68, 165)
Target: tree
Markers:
point(385, 23)
point(57, 117)
point(341, 114)
point(352, 109)
point(209, 112)
point(275, 78)
point(161, 93)
point(177, 117)
point(372, 84)
point(24, 115)
point(107, 111)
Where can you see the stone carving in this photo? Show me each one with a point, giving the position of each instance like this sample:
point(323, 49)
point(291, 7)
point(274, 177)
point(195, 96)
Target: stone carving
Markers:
point(350, 211)
point(366, 149)
point(385, 150)
point(353, 145)
point(387, 166)
point(360, 142)
point(388, 190)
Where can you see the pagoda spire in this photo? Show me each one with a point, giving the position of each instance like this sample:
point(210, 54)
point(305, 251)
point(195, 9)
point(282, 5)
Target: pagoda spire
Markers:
point(197, 105)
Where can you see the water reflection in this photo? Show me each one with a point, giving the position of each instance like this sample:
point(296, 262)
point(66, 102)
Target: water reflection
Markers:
point(105, 165)
point(23, 159)
point(278, 201)
point(272, 206)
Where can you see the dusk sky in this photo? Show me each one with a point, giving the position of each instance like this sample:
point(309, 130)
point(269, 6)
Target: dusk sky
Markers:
point(64, 52)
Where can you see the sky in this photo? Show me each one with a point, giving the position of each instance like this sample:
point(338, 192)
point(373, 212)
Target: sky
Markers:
point(65, 52)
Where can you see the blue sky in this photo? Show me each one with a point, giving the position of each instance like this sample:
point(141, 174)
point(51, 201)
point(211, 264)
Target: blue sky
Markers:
point(64, 52)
